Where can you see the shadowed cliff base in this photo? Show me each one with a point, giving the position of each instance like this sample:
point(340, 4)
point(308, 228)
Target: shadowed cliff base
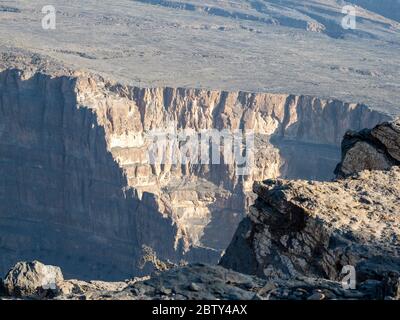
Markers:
point(64, 198)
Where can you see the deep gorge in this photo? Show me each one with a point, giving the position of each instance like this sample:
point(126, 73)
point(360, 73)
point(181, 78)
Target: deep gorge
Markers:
point(73, 194)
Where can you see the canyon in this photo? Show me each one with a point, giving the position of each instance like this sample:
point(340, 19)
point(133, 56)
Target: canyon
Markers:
point(302, 240)
point(78, 190)
point(200, 150)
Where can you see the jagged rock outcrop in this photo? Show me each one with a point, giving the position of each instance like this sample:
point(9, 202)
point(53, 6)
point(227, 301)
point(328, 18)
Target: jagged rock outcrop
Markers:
point(315, 229)
point(77, 190)
point(370, 149)
point(324, 229)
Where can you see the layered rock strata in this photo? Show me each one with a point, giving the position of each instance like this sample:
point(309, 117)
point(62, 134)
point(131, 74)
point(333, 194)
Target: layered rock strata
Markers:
point(317, 228)
point(303, 240)
point(78, 191)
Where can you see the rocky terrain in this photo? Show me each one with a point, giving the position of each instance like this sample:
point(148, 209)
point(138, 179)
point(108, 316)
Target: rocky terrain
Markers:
point(317, 228)
point(307, 228)
point(82, 107)
point(298, 242)
point(194, 282)
point(76, 165)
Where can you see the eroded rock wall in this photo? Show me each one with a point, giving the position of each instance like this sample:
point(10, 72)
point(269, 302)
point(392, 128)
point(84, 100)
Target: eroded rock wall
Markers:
point(78, 191)
point(64, 198)
point(213, 194)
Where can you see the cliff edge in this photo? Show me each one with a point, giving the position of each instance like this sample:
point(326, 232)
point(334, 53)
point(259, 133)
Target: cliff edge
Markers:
point(321, 229)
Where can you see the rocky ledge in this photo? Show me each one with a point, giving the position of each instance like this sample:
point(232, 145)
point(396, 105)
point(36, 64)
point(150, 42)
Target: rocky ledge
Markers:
point(317, 229)
point(328, 229)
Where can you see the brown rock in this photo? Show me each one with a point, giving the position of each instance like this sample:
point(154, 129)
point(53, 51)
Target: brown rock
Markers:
point(374, 149)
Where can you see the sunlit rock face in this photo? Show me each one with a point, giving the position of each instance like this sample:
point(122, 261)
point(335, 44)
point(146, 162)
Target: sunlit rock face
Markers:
point(370, 149)
point(78, 189)
point(299, 228)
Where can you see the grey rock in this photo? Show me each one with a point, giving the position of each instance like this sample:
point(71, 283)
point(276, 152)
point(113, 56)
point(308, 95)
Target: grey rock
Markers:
point(326, 228)
point(32, 279)
point(165, 291)
point(315, 229)
point(370, 149)
point(221, 284)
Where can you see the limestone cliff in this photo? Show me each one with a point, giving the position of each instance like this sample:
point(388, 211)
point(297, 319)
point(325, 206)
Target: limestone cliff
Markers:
point(194, 282)
point(300, 241)
point(203, 198)
point(64, 198)
point(77, 190)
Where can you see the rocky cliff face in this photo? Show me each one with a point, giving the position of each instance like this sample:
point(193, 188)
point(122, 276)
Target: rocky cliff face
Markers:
point(194, 282)
point(78, 190)
point(302, 240)
point(64, 198)
point(318, 229)
point(202, 198)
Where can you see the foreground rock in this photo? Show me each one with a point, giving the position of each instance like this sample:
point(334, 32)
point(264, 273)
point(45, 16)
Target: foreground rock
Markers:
point(314, 229)
point(370, 149)
point(32, 279)
point(200, 282)
point(325, 230)
point(93, 149)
